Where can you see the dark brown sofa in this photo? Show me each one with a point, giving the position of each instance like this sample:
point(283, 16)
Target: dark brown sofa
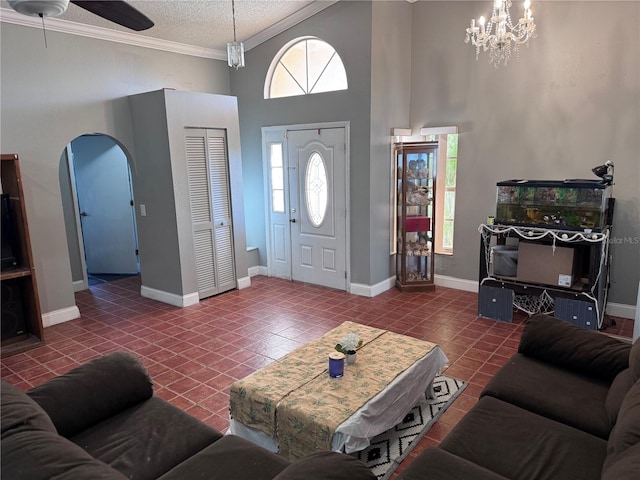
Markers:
point(102, 421)
point(566, 406)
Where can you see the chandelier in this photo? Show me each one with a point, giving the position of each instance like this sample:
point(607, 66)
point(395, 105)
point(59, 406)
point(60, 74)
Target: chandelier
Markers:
point(499, 35)
point(235, 49)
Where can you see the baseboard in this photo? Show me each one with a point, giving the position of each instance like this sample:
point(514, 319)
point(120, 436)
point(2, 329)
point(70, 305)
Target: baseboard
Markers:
point(170, 298)
point(60, 316)
point(614, 309)
point(440, 280)
point(457, 283)
point(621, 310)
point(258, 270)
point(244, 282)
point(372, 290)
point(79, 286)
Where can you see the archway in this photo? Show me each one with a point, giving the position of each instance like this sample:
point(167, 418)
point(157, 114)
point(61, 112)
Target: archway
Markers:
point(97, 197)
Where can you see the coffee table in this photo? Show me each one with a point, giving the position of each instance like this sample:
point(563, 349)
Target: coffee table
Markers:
point(293, 407)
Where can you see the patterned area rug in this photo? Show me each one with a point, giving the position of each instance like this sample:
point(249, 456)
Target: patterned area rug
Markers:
point(388, 449)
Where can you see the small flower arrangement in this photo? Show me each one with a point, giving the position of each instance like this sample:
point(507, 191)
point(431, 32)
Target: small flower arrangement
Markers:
point(349, 344)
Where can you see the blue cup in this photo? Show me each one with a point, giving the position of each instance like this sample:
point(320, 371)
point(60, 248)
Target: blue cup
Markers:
point(336, 364)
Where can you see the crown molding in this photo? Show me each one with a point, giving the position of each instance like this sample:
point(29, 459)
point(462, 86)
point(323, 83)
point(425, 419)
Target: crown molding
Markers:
point(286, 23)
point(100, 33)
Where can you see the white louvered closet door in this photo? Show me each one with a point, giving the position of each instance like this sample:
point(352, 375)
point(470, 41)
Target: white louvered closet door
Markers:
point(210, 199)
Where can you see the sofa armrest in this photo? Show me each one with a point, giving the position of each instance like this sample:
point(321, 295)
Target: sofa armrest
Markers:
point(326, 466)
point(93, 392)
point(583, 351)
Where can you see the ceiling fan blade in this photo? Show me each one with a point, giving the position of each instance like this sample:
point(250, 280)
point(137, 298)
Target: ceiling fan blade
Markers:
point(117, 11)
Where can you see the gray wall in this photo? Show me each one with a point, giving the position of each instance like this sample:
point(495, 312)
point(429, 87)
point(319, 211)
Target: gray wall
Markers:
point(50, 96)
point(153, 187)
point(571, 102)
point(347, 27)
point(70, 225)
point(536, 118)
point(166, 234)
point(390, 106)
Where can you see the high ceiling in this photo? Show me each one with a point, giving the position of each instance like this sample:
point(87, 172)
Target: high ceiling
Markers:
point(205, 23)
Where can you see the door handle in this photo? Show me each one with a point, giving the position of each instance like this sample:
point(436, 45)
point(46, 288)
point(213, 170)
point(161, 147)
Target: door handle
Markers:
point(84, 214)
point(292, 220)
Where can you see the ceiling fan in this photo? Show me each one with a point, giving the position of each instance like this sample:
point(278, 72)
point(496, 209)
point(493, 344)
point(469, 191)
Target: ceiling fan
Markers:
point(116, 11)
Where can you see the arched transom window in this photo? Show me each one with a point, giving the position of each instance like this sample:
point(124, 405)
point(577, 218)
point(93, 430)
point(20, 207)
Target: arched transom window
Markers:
point(305, 66)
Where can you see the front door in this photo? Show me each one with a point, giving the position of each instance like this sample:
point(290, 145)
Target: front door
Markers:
point(317, 206)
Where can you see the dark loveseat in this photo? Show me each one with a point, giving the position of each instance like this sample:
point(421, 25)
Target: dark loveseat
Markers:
point(566, 406)
point(102, 421)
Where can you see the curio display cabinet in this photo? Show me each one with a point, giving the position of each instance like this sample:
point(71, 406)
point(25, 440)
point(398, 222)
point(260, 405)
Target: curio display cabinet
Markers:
point(415, 196)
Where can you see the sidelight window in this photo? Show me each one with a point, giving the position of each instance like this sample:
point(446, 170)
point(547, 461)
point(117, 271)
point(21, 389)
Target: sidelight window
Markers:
point(277, 177)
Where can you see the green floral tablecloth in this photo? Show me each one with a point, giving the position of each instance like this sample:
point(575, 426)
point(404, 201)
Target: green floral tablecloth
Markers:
point(294, 400)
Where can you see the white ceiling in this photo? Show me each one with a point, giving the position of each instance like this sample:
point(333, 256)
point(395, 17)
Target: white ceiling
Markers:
point(206, 23)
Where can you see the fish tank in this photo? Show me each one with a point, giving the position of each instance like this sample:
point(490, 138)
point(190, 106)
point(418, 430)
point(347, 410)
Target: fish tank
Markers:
point(562, 204)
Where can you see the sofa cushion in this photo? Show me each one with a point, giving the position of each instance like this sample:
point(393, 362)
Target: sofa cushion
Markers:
point(45, 455)
point(146, 440)
point(440, 464)
point(625, 467)
point(326, 466)
point(94, 391)
point(229, 458)
point(619, 388)
point(519, 444)
point(553, 392)
point(627, 429)
point(20, 412)
point(562, 344)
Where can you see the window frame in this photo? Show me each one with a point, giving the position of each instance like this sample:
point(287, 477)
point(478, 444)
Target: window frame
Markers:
point(441, 190)
point(271, 168)
point(282, 52)
point(316, 158)
point(428, 135)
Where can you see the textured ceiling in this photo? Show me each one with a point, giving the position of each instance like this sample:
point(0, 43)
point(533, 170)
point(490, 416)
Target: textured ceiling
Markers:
point(204, 23)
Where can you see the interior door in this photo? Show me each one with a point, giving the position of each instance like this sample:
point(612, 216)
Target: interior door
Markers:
point(209, 195)
point(317, 206)
point(105, 198)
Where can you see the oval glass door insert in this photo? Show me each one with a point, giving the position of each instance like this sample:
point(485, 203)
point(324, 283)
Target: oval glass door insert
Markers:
point(315, 189)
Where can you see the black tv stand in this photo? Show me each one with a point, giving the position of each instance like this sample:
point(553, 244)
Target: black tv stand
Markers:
point(582, 303)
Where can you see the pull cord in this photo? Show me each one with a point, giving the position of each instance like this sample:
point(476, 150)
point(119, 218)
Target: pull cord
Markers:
point(44, 30)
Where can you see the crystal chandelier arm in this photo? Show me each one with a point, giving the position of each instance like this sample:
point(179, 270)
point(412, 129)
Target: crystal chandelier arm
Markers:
point(499, 40)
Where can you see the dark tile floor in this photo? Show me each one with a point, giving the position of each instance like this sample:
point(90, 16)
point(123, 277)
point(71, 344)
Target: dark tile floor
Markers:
point(195, 353)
